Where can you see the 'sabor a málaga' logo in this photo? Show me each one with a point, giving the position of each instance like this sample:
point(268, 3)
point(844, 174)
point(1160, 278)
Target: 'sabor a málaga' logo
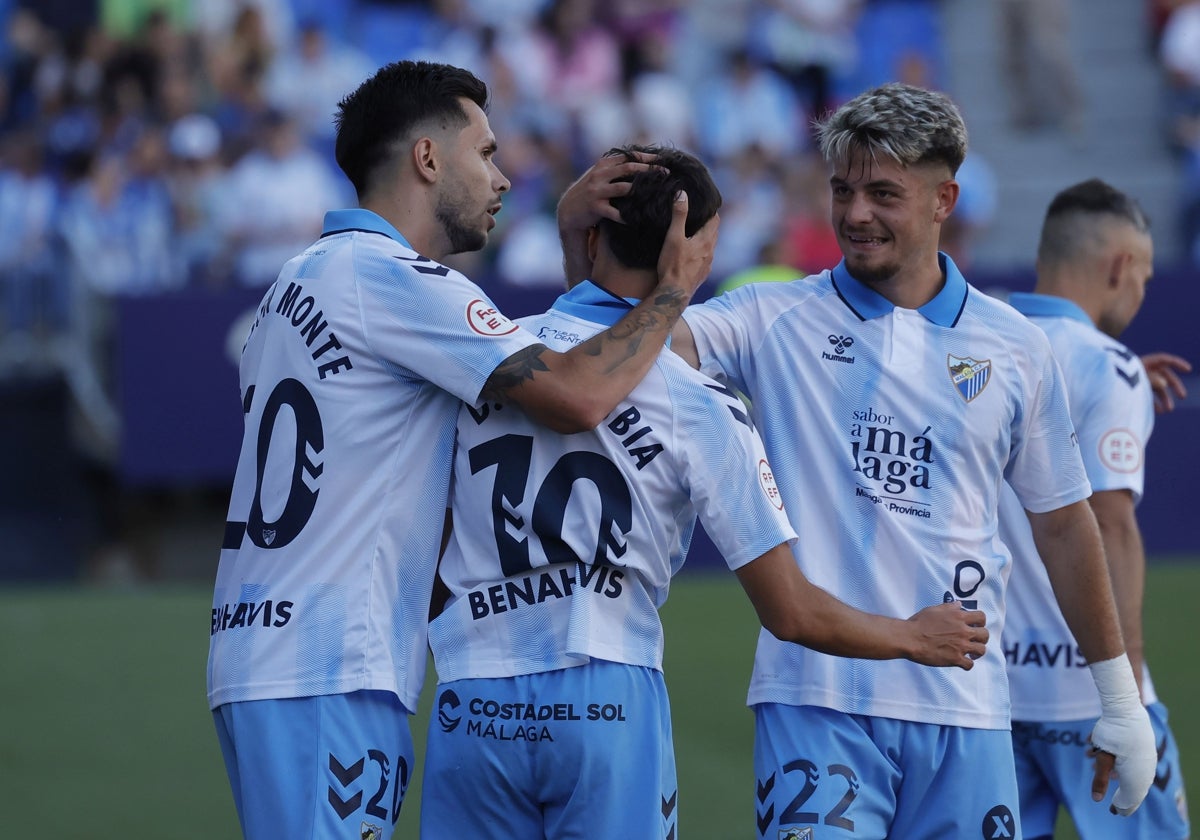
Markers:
point(485, 319)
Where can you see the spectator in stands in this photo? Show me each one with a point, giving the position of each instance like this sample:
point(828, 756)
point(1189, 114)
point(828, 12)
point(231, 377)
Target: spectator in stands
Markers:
point(810, 43)
point(32, 299)
point(649, 105)
point(116, 225)
point(748, 106)
point(1042, 80)
point(1179, 51)
point(196, 179)
point(276, 199)
point(310, 78)
point(807, 240)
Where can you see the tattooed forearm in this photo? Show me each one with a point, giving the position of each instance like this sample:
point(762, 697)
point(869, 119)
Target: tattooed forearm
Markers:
point(517, 368)
point(660, 315)
point(617, 345)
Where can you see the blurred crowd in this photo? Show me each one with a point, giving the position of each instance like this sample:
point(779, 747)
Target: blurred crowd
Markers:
point(149, 146)
point(152, 145)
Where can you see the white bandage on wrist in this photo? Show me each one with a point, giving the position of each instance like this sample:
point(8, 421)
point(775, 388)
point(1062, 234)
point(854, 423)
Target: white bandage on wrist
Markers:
point(1115, 682)
point(1124, 731)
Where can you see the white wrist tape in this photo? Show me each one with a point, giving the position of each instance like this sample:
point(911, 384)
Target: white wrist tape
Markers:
point(1124, 731)
point(1114, 680)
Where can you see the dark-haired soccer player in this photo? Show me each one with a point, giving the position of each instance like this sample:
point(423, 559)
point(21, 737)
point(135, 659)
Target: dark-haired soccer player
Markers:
point(1095, 259)
point(351, 379)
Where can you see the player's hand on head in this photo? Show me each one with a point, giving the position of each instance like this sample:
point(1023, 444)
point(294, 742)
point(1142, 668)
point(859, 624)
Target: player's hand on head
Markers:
point(1123, 749)
point(948, 635)
point(685, 261)
point(588, 200)
point(1163, 372)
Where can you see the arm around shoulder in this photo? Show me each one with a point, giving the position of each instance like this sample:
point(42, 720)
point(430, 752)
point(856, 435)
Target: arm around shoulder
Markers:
point(575, 391)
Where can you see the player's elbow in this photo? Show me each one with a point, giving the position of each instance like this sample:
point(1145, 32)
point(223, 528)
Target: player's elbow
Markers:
point(790, 626)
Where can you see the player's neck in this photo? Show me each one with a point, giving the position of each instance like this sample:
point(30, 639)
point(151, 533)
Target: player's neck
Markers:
point(622, 281)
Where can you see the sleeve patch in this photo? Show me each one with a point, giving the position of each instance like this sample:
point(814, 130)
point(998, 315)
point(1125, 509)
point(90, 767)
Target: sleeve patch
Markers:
point(1121, 451)
point(766, 477)
point(485, 319)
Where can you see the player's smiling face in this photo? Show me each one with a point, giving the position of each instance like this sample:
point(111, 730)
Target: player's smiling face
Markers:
point(887, 216)
point(471, 186)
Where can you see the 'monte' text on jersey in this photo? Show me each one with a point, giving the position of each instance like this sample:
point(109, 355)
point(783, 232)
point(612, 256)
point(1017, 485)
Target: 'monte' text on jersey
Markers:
point(299, 311)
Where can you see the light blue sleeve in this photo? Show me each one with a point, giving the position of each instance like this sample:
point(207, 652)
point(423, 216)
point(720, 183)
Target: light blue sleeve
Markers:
point(729, 480)
point(432, 323)
point(1045, 468)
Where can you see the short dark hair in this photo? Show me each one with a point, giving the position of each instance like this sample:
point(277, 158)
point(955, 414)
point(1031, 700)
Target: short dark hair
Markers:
point(385, 108)
point(646, 208)
point(1070, 219)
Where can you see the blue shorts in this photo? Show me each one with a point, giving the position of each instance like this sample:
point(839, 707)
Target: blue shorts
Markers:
point(826, 774)
point(1053, 769)
point(337, 765)
point(578, 752)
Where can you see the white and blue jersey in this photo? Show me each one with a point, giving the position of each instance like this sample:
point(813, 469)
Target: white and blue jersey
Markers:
point(1113, 411)
point(563, 546)
point(351, 379)
point(891, 431)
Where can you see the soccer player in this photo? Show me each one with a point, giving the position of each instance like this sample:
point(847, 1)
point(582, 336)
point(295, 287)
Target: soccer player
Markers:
point(552, 717)
point(894, 400)
point(351, 379)
point(1094, 261)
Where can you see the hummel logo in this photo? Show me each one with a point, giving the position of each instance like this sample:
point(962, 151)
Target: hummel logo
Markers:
point(840, 343)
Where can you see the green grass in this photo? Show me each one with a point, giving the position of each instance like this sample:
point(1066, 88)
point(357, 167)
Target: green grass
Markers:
point(107, 734)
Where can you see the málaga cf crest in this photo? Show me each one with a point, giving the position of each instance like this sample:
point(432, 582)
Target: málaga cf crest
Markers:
point(969, 376)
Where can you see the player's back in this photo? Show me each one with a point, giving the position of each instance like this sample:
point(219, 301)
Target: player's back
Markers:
point(564, 545)
point(338, 498)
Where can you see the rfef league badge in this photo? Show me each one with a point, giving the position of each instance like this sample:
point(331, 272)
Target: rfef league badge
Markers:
point(969, 376)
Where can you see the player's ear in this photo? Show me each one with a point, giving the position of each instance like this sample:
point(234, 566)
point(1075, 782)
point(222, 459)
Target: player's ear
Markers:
point(1117, 264)
point(593, 243)
point(426, 159)
point(947, 198)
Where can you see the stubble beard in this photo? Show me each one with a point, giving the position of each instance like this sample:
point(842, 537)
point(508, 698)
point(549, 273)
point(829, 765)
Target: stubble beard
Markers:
point(461, 237)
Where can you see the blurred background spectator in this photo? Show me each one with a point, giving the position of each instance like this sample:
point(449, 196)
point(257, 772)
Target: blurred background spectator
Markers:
point(160, 159)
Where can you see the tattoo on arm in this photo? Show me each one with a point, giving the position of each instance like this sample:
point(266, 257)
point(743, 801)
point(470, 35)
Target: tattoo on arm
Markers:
point(514, 370)
point(523, 365)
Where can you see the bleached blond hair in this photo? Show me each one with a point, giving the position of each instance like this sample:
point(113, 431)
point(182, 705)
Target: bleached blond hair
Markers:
point(908, 124)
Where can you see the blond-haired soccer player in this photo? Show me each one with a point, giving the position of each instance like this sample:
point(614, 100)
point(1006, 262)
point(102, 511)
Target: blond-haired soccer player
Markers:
point(894, 401)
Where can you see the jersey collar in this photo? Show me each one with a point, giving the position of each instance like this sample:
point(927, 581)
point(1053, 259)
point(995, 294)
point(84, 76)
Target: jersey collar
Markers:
point(944, 310)
point(594, 303)
point(1031, 304)
point(368, 221)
